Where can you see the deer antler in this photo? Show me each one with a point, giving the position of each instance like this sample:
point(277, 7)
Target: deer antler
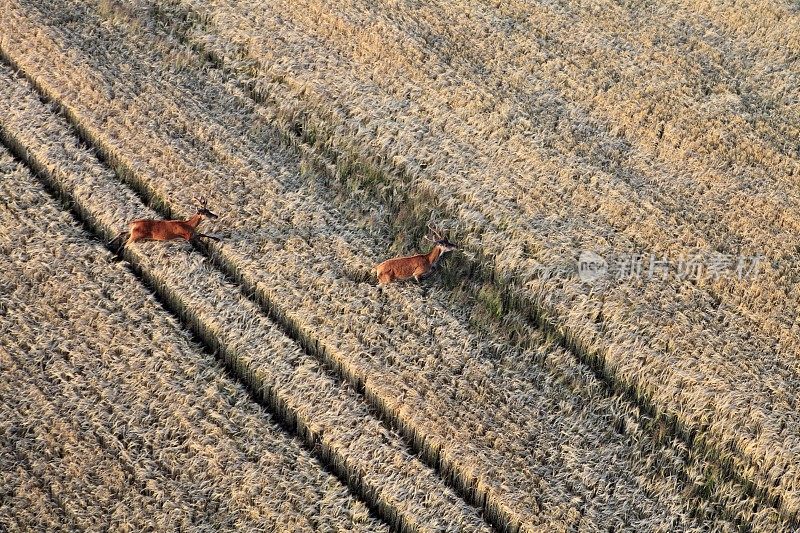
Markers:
point(434, 229)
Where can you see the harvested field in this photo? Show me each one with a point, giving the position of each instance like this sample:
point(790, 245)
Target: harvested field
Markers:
point(643, 406)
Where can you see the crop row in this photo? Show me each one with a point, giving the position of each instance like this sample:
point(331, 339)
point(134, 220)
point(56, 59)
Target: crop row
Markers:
point(584, 129)
point(531, 441)
point(328, 416)
point(110, 411)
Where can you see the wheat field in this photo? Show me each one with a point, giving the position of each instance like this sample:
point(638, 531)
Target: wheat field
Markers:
point(264, 382)
point(125, 423)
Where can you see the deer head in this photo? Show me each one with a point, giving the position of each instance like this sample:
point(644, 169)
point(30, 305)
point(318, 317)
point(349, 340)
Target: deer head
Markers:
point(437, 237)
point(202, 208)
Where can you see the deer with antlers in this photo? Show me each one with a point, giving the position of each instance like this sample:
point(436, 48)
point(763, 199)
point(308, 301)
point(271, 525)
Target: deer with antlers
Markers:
point(165, 230)
point(416, 266)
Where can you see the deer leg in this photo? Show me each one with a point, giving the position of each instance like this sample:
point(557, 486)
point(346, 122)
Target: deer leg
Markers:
point(420, 274)
point(198, 235)
point(115, 239)
point(381, 301)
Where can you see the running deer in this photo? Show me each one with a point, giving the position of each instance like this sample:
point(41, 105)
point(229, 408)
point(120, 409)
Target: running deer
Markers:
point(165, 230)
point(415, 266)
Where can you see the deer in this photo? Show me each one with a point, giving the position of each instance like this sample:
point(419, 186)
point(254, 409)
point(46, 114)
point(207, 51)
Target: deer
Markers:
point(146, 229)
point(417, 266)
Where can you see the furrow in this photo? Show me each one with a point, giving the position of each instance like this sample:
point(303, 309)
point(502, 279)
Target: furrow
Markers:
point(641, 337)
point(532, 446)
point(62, 343)
point(329, 417)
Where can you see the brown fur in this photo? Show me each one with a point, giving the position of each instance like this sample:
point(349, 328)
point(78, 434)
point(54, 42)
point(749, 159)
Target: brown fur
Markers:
point(413, 266)
point(148, 229)
point(163, 230)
